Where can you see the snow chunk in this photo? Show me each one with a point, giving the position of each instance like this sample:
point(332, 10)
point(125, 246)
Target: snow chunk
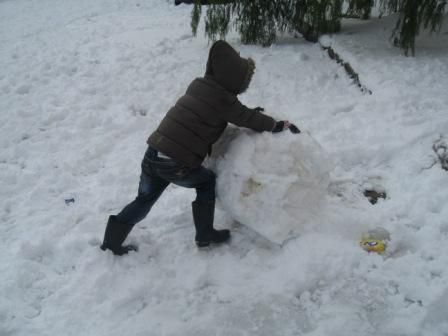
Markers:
point(270, 183)
point(326, 41)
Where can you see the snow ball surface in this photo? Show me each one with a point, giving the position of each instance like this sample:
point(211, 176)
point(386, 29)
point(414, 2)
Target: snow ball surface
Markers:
point(272, 183)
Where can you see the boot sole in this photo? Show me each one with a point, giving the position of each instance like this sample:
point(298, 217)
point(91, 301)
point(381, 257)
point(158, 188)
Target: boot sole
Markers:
point(200, 244)
point(203, 244)
point(122, 251)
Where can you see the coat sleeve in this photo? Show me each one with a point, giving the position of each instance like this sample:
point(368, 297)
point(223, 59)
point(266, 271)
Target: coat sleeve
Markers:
point(240, 115)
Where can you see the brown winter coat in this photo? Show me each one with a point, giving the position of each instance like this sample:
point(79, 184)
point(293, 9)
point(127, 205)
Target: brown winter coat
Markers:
point(198, 118)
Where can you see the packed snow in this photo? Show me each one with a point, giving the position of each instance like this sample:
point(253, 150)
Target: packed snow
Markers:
point(270, 179)
point(82, 85)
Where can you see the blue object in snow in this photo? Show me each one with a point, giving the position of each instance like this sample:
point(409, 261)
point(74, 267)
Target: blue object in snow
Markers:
point(69, 201)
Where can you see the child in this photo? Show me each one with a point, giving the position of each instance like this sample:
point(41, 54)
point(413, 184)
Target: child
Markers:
point(177, 148)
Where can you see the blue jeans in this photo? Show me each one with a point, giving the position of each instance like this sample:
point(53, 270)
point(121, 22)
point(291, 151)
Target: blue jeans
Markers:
point(157, 173)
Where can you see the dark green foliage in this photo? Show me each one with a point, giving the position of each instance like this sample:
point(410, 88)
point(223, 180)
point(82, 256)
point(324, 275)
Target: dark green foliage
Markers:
point(259, 21)
point(195, 17)
point(360, 8)
point(311, 17)
point(217, 21)
point(256, 22)
point(413, 15)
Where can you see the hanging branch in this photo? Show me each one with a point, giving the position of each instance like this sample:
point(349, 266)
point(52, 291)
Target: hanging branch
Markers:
point(259, 21)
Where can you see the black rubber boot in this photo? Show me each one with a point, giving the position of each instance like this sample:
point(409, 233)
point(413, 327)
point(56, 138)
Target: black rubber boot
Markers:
point(115, 235)
point(203, 215)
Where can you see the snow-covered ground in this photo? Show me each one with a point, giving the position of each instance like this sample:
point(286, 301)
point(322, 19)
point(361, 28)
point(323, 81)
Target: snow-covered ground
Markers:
point(83, 83)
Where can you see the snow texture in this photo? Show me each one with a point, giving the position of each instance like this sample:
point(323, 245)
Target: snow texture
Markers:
point(82, 85)
point(273, 184)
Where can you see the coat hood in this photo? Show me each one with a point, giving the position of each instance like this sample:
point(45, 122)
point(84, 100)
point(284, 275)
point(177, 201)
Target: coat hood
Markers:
point(228, 68)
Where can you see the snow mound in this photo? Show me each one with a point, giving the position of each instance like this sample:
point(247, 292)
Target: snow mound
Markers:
point(271, 183)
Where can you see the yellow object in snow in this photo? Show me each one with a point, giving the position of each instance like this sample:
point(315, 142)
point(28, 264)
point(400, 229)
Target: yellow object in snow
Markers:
point(373, 245)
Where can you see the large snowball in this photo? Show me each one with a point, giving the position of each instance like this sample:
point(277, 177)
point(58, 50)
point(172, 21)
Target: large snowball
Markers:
point(272, 183)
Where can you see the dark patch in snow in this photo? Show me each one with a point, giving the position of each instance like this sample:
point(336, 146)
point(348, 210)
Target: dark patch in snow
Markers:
point(138, 111)
point(373, 195)
point(440, 147)
point(411, 302)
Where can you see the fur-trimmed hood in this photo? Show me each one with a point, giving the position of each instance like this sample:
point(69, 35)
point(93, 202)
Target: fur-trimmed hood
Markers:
point(201, 115)
point(228, 68)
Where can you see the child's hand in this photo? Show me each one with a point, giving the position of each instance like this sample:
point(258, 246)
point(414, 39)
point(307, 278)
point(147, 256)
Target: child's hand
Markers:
point(294, 129)
point(284, 125)
point(280, 126)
